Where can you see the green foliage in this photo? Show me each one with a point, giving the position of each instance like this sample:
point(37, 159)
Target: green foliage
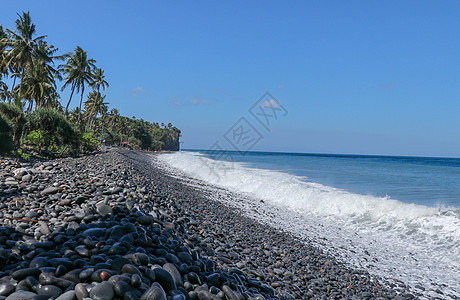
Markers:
point(135, 143)
point(16, 118)
point(34, 138)
point(6, 140)
point(88, 142)
point(21, 154)
point(28, 62)
point(56, 131)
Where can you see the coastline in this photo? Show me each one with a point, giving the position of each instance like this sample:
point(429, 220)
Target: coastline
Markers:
point(101, 224)
point(284, 261)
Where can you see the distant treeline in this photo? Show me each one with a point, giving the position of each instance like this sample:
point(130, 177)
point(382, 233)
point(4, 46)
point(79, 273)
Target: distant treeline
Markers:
point(32, 117)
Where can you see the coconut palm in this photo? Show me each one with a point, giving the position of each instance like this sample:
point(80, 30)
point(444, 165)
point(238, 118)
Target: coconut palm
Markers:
point(38, 86)
point(98, 80)
point(114, 114)
point(23, 47)
point(78, 68)
point(94, 105)
point(3, 40)
point(4, 94)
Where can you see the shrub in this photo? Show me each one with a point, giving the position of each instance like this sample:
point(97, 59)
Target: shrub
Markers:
point(135, 143)
point(88, 142)
point(6, 140)
point(16, 118)
point(34, 138)
point(57, 133)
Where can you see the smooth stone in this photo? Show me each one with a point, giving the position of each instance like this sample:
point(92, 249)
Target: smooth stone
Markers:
point(44, 228)
point(96, 232)
point(82, 250)
point(116, 190)
point(118, 263)
point(155, 292)
point(24, 273)
point(136, 281)
point(121, 288)
point(27, 177)
point(86, 273)
point(51, 291)
point(117, 278)
point(229, 293)
point(145, 220)
point(102, 291)
point(185, 257)
point(21, 295)
point(81, 292)
point(69, 295)
point(128, 268)
point(6, 289)
point(50, 190)
point(172, 258)
point(140, 259)
point(61, 261)
point(174, 273)
point(165, 279)
point(104, 209)
point(194, 278)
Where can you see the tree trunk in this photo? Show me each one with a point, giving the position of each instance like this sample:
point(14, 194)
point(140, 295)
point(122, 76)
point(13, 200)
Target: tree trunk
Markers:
point(81, 100)
point(22, 79)
point(70, 99)
point(12, 89)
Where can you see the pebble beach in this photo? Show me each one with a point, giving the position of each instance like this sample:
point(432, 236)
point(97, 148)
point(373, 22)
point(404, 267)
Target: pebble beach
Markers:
point(115, 225)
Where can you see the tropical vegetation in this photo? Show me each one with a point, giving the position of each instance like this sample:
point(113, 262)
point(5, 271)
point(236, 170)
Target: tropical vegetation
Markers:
point(32, 117)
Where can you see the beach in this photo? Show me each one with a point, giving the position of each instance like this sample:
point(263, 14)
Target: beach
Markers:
point(117, 225)
point(90, 196)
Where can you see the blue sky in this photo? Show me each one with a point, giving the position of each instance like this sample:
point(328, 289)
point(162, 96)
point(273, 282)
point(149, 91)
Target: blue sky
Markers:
point(364, 77)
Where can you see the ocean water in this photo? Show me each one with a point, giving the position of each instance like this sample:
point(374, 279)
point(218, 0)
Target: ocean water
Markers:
point(396, 217)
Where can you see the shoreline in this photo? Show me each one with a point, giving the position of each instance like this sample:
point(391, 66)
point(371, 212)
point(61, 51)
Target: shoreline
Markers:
point(101, 224)
point(316, 270)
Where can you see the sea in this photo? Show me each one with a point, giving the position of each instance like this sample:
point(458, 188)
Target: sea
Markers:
point(397, 217)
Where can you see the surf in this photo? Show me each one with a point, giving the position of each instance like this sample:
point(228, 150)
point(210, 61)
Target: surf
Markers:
point(429, 235)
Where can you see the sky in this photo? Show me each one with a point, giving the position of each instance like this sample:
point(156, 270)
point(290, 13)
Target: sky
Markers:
point(356, 77)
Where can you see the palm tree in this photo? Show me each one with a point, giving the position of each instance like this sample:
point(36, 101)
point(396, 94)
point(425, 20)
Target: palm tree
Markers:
point(23, 47)
point(38, 85)
point(4, 94)
point(114, 114)
point(98, 80)
point(78, 68)
point(74, 114)
point(3, 41)
point(94, 105)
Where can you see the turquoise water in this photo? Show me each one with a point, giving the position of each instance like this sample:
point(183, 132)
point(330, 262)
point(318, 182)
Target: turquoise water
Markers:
point(421, 180)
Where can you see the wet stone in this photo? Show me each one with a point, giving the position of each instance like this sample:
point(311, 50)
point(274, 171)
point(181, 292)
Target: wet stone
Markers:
point(21, 295)
point(6, 289)
point(51, 291)
point(102, 291)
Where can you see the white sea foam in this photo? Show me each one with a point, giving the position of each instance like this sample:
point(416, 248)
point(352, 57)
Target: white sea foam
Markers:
point(416, 244)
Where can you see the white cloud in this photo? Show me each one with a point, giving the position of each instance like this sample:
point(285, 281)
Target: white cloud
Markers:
point(270, 103)
point(139, 91)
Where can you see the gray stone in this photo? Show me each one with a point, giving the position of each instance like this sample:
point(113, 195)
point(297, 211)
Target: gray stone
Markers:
point(155, 292)
point(102, 291)
point(70, 295)
point(50, 190)
point(51, 291)
point(21, 295)
point(104, 209)
point(27, 177)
